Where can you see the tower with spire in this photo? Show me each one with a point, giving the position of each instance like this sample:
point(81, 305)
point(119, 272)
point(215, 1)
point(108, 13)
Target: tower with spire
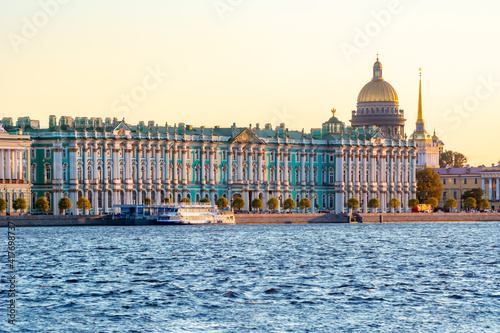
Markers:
point(429, 148)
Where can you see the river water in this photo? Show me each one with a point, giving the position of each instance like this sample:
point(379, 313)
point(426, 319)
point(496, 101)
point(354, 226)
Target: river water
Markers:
point(423, 277)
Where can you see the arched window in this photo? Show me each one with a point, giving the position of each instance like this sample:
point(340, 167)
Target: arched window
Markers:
point(109, 173)
point(33, 199)
point(234, 174)
point(153, 197)
point(99, 174)
point(122, 197)
point(33, 173)
point(324, 200)
point(331, 201)
point(297, 176)
point(89, 173)
point(100, 199)
point(134, 173)
point(122, 173)
point(197, 197)
point(110, 199)
point(65, 172)
point(48, 173)
point(80, 173)
point(134, 197)
point(143, 174)
point(90, 196)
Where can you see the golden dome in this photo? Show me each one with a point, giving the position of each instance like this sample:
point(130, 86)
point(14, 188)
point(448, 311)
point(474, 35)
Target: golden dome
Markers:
point(378, 91)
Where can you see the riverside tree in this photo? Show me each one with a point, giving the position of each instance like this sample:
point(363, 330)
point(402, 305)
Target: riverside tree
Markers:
point(412, 203)
point(3, 205)
point(373, 204)
point(146, 201)
point(205, 200)
point(238, 203)
point(469, 203)
point(166, 200)
point(428, 185)
point(433, 202)
point(64, 204)
point(483, 204)
point(42, 204)
point(185, 200)
point(20, 204)
point(451, 203)
point(394, 203)
point(289, 204)
point(83, 204)
point(257, 204)
point(273, 203)
point(222, 203)
point(304, 204)
point(353, 204)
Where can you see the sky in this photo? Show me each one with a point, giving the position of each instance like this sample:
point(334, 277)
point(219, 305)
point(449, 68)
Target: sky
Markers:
point(215, 62)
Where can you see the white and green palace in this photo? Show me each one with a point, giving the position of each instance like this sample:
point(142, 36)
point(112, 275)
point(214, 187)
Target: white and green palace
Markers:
point(113, 162)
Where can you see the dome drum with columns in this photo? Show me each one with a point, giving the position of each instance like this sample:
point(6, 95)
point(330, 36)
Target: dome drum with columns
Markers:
point(378, 105)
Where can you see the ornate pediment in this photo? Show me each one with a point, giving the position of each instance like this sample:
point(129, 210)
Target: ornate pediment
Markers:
point(247, 136)
point(121, 129)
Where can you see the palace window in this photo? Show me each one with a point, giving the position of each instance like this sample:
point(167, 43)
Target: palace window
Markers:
point(108, 171)
point(65, 172)
point(475, 181)
point(64, 153)
point(89, 173)
point(465, 181)
point(454, 181)
point(33, 173)
point(80, 174)
point(444, 181)
point(99, 173)
point(48, 173)
point(122, 174)
point(331, 158)
point(33, 153)
point(47, 153)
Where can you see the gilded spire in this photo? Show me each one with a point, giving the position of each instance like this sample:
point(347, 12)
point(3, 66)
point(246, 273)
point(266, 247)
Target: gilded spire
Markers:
point(420, 118)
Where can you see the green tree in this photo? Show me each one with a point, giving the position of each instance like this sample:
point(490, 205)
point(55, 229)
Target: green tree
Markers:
point(304, 204)
point(452, 159)
point(273, 203)
point(483, 204)
point(394, 203)
point(20, 204)
point(83, 204)
point(450, 203)
point(469, 203)
point(257, 204)
point(373, 204)
point(222, 203)
point(412, 203)
point(185, 200)
point(428, 185)
point(289, 204)
point(3, 205)
point(205, 200)
point(42, 204)
point(238, 203)
point(64, 204)
point(353, 203)
point(146, 201)
point(476, 193)
point(166, 200)
point(433, 202)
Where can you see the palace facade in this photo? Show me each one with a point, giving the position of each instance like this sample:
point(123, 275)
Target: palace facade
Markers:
point(113, 162)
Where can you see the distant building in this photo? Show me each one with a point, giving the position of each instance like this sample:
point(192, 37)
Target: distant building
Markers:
point(14, 166)
point(456, 181)
point(429, 148)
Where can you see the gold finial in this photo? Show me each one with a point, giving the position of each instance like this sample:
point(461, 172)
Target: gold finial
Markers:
point(377, 56)
point(333, 111)
point(420, 71)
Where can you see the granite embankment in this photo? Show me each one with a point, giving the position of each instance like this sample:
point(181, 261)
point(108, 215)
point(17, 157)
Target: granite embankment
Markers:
point(69, 220)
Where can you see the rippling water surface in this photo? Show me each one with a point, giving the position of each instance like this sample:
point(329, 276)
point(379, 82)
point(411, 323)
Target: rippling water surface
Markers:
point(441, 277)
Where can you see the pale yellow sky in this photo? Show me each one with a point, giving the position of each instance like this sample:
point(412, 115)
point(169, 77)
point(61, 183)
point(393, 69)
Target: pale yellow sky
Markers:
point(215, 62)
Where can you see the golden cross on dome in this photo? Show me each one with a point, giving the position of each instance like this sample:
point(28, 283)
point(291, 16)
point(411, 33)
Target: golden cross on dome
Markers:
point(333, 111)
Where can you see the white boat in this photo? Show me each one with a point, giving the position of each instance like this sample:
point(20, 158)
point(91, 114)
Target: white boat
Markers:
point(194, 214)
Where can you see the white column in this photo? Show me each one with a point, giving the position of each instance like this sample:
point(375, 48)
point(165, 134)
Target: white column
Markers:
point(240, 165)
point(311, 170)
point(8, 166)
point(498, 189)
point(302, 168)
point(211, 169)
point(20, 164)
point(2, 164)
point(167, 164)
point(184, 165)
point(229, 166)
point(259, 170)
point(490, 188)
point(250, 165)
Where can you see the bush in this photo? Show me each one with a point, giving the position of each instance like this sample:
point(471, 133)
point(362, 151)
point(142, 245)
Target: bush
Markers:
point(289, 204)
point(273, 203)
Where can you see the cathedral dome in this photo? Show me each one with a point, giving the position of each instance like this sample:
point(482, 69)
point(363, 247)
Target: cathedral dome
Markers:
point(377, 90)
